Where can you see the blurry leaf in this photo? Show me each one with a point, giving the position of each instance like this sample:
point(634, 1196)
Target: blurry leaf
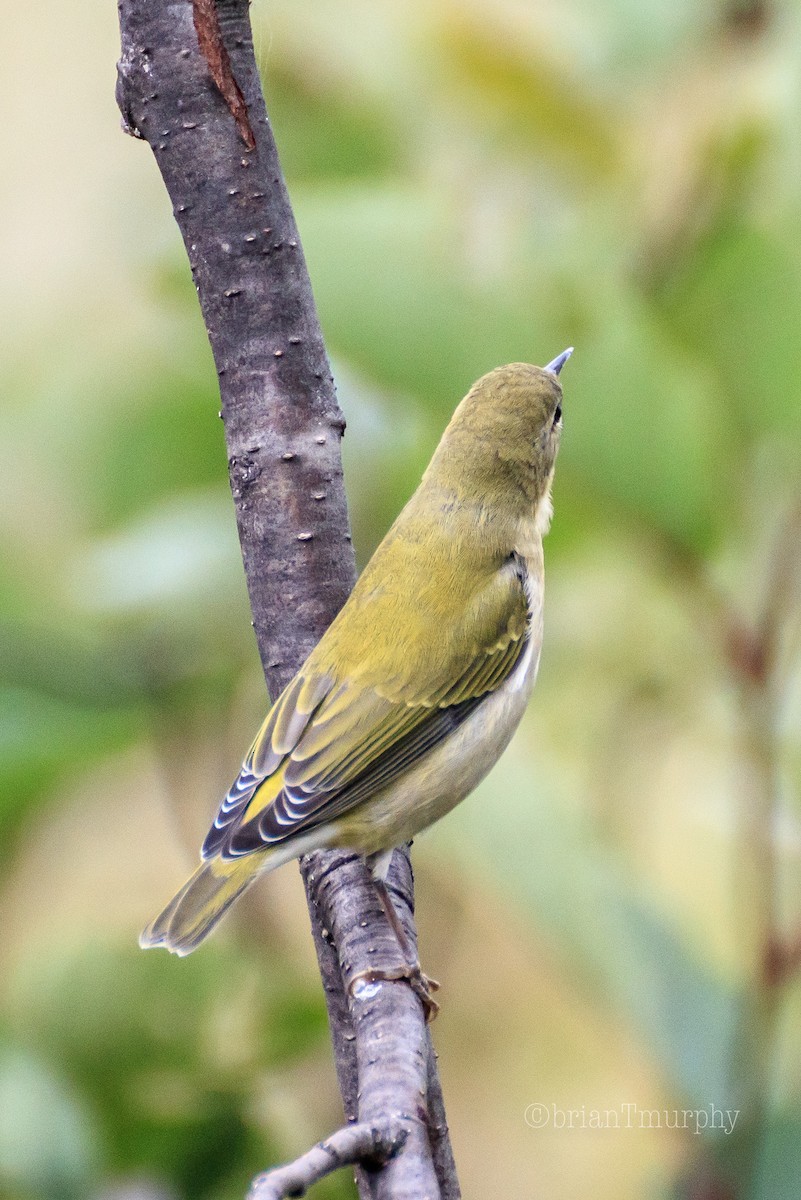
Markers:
point(529, 94)
point(325, 131)
point(604, 929)
point(645, 428)
point(65, 660)
point(170, 441)
point(114, 1009)
point(760, 1159)
point(127, 1029)
point(41, 739)
point(167, 1052)
point(735, 305)
point(183, 552)
point(401, 324)
point(630, 38)
point(778, 1159)
point(387, 446)
point(170, 586)
point(423, 324)
point(48, 1142)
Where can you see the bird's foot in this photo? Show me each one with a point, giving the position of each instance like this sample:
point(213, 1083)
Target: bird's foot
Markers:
point(421, 984)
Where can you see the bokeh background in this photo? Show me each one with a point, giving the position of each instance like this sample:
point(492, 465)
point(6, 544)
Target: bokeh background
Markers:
point(616, 914)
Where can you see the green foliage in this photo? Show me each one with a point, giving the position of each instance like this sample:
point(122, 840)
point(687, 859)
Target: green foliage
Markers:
point(161, 1061)
point(49, 1142)
point(326, 133)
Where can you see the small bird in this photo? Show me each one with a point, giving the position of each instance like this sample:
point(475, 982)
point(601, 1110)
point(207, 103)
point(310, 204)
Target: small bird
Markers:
point(417, 686)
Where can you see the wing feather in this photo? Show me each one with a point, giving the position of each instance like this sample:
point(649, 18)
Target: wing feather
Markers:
point(329, 743)
point(326, 747)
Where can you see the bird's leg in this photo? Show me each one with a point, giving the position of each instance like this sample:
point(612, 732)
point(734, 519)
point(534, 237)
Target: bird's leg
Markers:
point(420, 984)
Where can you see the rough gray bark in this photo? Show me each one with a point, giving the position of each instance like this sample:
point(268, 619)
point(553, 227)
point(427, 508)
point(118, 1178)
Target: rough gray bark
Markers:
point(282, 420)
point(353, 1144)
point(283, 427)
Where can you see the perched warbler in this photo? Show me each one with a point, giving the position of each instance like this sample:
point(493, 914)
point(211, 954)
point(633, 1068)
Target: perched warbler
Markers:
point(416, 688)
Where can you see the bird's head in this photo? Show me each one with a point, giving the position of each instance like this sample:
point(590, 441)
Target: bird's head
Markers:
point(500, 446)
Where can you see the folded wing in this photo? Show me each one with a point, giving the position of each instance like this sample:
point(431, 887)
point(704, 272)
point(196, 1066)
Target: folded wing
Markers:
point(336, 735)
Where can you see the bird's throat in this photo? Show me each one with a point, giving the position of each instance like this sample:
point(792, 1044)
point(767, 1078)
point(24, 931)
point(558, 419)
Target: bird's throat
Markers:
point(543, 513)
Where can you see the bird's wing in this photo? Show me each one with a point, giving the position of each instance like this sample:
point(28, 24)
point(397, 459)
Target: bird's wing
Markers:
point(328, 744)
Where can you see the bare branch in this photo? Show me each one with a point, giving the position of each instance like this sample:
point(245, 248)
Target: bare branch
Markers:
point(283, 428)
point(282, 421)
point(393, 1058)
point(354, 1144)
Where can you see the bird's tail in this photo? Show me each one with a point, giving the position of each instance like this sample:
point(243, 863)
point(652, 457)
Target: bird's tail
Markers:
point(204, 899)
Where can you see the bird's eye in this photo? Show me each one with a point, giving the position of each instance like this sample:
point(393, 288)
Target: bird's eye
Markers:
point(557, 416)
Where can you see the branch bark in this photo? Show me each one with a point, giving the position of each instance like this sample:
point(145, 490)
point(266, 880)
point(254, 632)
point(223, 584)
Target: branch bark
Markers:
point(283, 428)
point(353, 1144)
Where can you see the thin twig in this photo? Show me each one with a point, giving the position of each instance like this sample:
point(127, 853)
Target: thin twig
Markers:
point(366, 1144)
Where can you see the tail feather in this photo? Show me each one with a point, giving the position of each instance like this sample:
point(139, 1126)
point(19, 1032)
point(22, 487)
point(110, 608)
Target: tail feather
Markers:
point(201, 903)
point(207, 895)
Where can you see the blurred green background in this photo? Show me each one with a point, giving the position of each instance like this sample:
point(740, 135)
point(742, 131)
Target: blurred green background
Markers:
point(615, 916)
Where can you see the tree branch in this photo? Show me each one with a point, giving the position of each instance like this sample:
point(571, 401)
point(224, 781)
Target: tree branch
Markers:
point(354, 1144)
point(283, 428)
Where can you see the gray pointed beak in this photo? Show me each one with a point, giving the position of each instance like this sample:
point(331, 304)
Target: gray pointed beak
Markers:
point(556, 366)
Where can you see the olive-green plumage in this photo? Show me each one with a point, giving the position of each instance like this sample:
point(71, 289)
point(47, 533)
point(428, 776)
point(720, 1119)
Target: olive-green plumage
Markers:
point(418, 685)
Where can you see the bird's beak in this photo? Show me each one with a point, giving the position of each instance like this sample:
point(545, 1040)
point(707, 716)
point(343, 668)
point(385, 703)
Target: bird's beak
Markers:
point(556, 366)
